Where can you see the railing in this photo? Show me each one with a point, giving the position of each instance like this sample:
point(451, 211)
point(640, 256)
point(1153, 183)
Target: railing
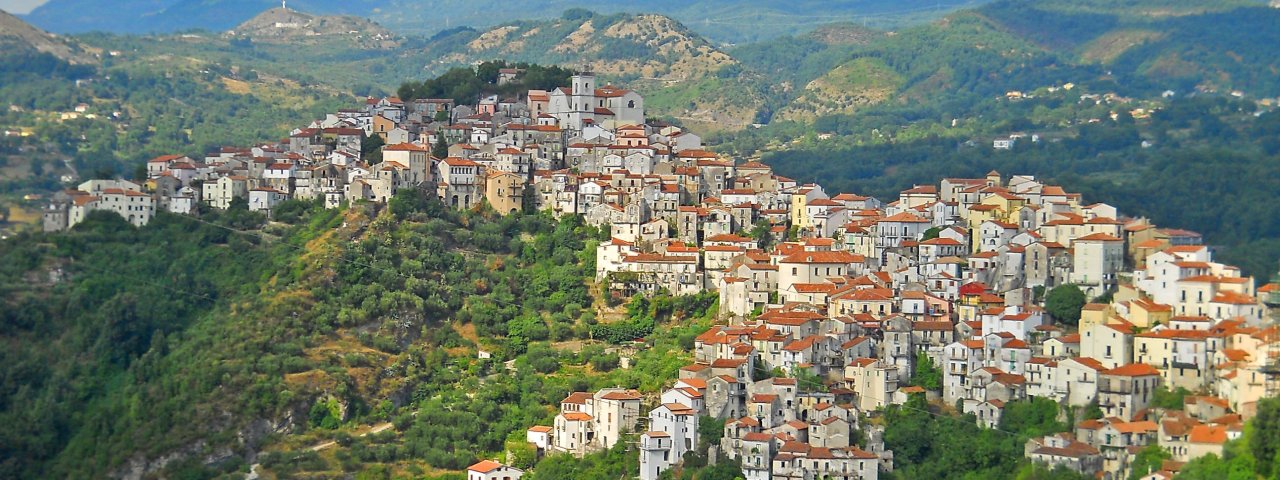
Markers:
point(656, 444)
point(1113, 388)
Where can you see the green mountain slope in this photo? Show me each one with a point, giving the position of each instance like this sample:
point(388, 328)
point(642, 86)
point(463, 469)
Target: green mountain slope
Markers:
point(127, 357)
point(135, 105)
point(1134, 48)
point(1181, 46)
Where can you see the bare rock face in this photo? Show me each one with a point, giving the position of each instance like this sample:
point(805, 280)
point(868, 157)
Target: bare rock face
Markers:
point(248, 441)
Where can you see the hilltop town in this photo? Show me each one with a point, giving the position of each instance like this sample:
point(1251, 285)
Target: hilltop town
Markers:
point(832, 302)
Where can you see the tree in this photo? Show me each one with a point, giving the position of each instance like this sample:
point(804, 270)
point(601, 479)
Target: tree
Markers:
point(1148, 460)
point(926, 375)
point(1169, 399)
point(1064, 303)
point(710, 429)
point(1092, 411)
point(932, 233)
point(1034, 417)
point(1236, 463)
point(808, 381)
point(441, 148)
point(1264, 441)
point(371, 148)
point(760, 233)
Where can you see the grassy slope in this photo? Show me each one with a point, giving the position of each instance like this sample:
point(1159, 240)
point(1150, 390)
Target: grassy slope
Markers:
point(860, 82)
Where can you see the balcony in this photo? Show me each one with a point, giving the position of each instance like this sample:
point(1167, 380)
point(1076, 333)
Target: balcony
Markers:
point(655, 443)
point(1115, 389)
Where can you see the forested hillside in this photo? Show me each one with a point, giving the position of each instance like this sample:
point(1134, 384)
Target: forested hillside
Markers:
point(135, 108)
point(206, 338)
point(1166, 45)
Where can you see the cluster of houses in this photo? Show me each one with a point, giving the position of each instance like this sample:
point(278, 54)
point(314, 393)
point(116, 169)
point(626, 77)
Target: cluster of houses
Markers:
point(775, 427)
point(855, 292)
point(499, 151)
point(845, 291)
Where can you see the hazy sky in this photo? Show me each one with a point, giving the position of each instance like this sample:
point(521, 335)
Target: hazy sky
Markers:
point(19, 6)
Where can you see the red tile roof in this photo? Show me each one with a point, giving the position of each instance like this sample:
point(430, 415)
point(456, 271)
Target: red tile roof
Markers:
point(485, 466)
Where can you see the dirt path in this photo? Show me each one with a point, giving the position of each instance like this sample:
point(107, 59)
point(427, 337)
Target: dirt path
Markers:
point(379, 428)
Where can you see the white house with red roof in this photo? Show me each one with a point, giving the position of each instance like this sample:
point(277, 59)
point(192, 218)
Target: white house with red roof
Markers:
point(135, 207)
point(491, 470)
point(892, 231)
point(161, 164)
point(1125, 390)
point(1014, 319)
point(673, 431)
point(417, 158)
point(589, 423)
point(1097, 258)
point(815, 267)
point(1063, 450)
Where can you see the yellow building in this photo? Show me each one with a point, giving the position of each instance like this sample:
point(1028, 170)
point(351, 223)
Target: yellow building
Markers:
point(977, 214)
point(1095, 314)
point(504, 191)
point(800, 204)
point(1145, 313)
point(1007, 206)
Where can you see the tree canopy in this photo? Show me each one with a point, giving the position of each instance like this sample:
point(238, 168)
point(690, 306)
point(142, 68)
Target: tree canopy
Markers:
point(1064, 303)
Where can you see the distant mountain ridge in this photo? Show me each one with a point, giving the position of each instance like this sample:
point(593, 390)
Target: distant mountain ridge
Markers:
point(723, 21)
point(16, 34)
